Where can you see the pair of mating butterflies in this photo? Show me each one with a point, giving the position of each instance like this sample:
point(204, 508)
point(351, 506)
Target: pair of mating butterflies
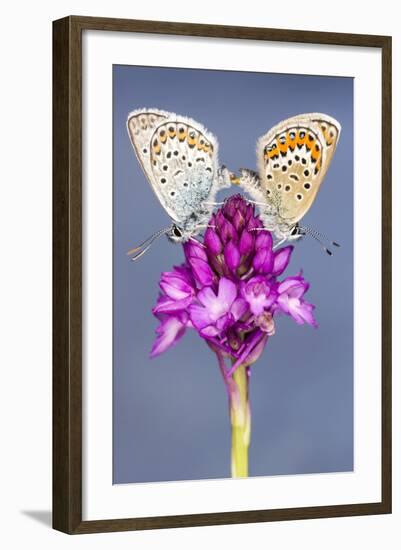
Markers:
point(180, 159)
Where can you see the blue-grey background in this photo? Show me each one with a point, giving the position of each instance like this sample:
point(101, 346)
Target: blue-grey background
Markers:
point(170, 413)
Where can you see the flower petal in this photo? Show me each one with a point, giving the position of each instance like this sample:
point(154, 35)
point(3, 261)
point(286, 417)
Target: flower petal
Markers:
point(207, 297)
point(292, 282)
point(167, 305)
point(245, 243)
point(199, 316)
point(227, 293)
point(213, 242)
point(281, 259)
point(169, 332)
point(263, 260)
point(202, 271)
point(264, 240)
point(239, 307)
point(175, 287)
point(232, 256)
point(193, 249)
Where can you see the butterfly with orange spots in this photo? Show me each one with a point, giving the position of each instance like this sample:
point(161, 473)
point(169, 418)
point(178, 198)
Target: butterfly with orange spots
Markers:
point(293, 158)
point(180, 161)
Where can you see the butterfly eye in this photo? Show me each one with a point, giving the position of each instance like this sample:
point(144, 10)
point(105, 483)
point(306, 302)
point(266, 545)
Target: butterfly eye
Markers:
point(294, 230)
point(177, 232)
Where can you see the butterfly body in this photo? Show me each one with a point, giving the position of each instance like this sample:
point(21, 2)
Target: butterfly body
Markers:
point(293, 158)
point(179, 157)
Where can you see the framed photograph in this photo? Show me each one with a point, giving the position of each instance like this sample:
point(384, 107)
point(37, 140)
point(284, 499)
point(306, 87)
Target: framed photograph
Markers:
point(222, 275)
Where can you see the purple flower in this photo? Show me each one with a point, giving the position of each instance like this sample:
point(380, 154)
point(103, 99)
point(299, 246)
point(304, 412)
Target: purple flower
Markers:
point(169, 332)
point(178, 287)
point(290, 300)
point(228, 288)
point(258, 293)
point(216, 313)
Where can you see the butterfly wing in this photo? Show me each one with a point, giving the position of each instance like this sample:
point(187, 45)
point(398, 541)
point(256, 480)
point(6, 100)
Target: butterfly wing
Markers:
point(293, 158)
point(178, 156)
point(183, 159)
point(140, 125)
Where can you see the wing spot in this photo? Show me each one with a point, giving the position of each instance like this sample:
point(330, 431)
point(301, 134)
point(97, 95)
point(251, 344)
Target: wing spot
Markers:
point(287, 188)
point(306, 173)
point(163, 180)
point(175, 153)
point(307, 185)
point(172, 193)
point(168, 155)
point(294, 177)
point(269, 177)
point(144, 150)
point(284, 168)
point(189, 164)
point(185, 184)
point(279, 186)
point(290, 162)
point(297, 158)
point(268, 192)
point(303, 160)
point(299, 197)
point(165, 167)
point(276, 165)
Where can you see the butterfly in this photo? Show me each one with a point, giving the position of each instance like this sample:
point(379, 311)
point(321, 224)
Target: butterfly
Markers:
point(293, 158)
point(179, 158)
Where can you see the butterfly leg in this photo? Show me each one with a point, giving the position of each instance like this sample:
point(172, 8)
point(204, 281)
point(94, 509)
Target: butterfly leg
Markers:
point(279, 243)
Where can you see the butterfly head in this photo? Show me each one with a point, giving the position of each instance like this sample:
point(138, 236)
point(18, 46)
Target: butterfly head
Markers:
point(295, 232)
point(177, 234)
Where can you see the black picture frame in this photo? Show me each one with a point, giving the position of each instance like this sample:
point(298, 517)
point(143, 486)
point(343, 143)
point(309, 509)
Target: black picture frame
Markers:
point(67, 273)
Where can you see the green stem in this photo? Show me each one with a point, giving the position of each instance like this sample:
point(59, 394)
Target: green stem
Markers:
point(240, 415)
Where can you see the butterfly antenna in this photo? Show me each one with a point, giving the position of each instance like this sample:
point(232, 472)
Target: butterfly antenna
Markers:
point(311, 233)
point(323, 236)
point(140, 250)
